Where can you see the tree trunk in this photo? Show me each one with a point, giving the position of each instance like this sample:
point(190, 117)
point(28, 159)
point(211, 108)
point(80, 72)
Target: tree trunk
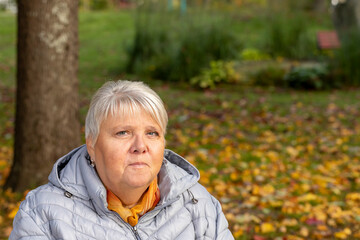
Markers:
point(346, 16)
point(47, 123)
point(357, 13)
point(320, 6)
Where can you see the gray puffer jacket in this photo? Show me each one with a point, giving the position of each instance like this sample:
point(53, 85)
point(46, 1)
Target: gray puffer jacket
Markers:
point(73, 206)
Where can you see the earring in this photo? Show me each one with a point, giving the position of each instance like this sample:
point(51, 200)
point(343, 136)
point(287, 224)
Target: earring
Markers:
point(92, 162)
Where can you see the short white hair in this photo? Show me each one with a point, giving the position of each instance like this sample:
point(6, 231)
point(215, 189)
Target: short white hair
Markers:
point(123, 98)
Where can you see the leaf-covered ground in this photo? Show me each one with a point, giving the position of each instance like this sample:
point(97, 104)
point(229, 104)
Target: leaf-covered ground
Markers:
point(285, 165)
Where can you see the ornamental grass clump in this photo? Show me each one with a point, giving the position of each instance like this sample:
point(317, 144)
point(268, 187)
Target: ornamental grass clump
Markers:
point(179, 49)
point(287, 36)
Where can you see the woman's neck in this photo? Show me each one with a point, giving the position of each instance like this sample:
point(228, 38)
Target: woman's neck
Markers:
point(130, 197)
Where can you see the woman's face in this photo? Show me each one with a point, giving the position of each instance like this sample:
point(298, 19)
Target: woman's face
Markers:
point(128, 152)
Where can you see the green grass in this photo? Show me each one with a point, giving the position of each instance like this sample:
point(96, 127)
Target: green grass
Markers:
point(7, 49)
point(103, 36)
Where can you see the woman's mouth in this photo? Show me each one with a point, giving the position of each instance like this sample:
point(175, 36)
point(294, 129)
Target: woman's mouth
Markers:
point(138, 164)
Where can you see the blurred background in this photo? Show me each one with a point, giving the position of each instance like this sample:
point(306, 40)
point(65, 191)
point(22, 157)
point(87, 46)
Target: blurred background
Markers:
point(263, 97)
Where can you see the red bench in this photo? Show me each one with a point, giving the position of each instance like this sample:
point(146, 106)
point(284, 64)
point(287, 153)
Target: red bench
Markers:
point(328, 40)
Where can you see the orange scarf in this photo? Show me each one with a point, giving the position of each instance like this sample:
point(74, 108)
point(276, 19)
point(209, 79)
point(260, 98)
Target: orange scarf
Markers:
point(146, 203)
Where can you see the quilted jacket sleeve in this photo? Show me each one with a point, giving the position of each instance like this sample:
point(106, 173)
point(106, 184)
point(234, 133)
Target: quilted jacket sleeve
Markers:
point(26, 228)
point(222, 227)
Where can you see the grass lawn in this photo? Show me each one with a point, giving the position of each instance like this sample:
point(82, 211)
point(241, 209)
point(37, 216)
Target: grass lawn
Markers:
point(283, 163)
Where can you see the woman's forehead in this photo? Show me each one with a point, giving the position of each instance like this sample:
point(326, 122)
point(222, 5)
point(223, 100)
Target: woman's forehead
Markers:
point(130, 114)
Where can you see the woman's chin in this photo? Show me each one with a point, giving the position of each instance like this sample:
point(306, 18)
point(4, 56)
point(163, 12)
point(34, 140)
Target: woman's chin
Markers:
point(139, 181)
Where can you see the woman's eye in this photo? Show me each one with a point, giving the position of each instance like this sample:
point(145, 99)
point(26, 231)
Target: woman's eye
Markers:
point(121, 133)
point(153, 133)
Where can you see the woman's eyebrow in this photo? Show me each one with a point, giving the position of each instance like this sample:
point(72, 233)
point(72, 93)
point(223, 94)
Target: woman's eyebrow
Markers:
point(153, 127)
point(121, 127)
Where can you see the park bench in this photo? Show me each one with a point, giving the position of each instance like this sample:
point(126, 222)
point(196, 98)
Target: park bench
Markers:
point(327, 40)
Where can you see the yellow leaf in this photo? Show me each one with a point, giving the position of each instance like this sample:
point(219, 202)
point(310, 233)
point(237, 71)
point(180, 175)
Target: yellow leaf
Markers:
point(353, 196)
point(276, 203)
point(232, 190)
point(273, 156)
point(292, 151)
point(304, 231)
point(3, 164)
point(308, 197)
point(256, 171)
point(310, 148)
point(238, 233)
point(320, 215)
point(266, 190)
point(220, 187)
point(283, 229)
point(322, 228)
point(293, 237)
point(267, 228)
point(347, 231)
point(255, 219)
point(233, 176)
point(289, 222)
point(13, 212)
point(305, 187)
point(340, 235)
point(295, 175)
point(256, 190)
point(230, 216)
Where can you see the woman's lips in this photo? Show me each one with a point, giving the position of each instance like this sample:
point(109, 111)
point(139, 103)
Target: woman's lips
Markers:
point(138, 164)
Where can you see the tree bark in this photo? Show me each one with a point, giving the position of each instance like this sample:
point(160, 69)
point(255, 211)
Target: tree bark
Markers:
point(346, 16)
point(47, 123)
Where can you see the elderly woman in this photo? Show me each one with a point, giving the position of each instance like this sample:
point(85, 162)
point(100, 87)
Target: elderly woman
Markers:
point(122, 184)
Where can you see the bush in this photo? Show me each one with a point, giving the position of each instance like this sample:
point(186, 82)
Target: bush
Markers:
point(201, 43)
point(310, 78)
point(150, 45)
point(253, 54)
point(98, 4)
point(269, 77)
point(179, 49)
point(218, 72)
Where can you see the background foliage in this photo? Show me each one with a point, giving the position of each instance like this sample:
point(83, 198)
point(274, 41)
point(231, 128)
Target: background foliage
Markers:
point(177, 51)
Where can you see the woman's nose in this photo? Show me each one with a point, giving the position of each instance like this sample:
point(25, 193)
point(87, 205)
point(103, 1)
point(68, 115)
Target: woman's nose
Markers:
point(138, 145)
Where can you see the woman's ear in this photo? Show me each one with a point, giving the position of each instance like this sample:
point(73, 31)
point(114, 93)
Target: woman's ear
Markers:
point(90, 147)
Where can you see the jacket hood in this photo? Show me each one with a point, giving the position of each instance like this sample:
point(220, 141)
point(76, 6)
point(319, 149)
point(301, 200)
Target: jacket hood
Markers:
point(68, 172)
point(74, 174)
point(176, 176)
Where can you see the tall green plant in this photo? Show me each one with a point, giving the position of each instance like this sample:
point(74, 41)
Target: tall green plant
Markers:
point(202, 42)
point(287, 36)
point(174, 47)
point(347, 59)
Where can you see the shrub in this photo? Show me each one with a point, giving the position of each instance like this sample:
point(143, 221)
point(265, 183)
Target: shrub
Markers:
point(315, 77)
point(179, 49)
point(202, 42)
point(253, 54)
point(149, 48)
point(98, 4)
point(270, 76)
point(218, 72)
